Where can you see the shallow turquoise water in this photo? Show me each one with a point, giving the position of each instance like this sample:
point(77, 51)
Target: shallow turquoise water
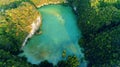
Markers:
point(59, 32)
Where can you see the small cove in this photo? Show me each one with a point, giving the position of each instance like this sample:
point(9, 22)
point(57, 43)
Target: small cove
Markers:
point(59, 33)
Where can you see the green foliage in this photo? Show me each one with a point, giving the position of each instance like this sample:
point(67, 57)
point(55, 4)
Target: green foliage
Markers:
point(101, 34)
point(15, 24)
point(10, 5)
point(7, 42)
point(100, 28)
point(12, 24)
point(94, 21)
point(9, 60)
point(71, 61)
point(104, 49)
point(45, 64)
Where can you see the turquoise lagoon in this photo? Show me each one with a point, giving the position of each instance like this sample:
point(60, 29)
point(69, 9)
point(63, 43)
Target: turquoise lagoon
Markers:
point(59, 33)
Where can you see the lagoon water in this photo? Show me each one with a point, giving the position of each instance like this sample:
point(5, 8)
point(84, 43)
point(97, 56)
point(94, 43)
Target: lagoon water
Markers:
point(59, 33)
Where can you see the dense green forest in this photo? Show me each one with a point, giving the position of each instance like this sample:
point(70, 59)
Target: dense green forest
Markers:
point(100, 25)
point(98, 20)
